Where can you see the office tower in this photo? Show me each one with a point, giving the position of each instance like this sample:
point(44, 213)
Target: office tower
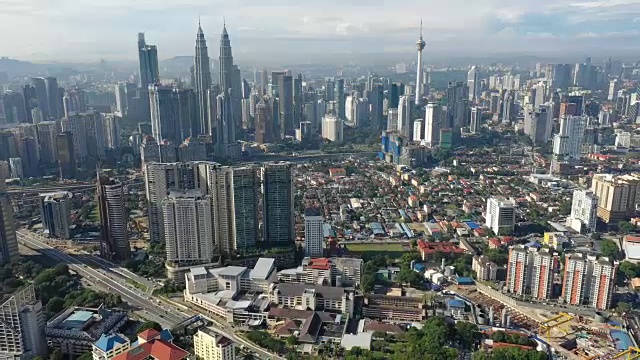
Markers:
point(28, 149)
point(457, 106)
point(507, 107)
point(332, 128)
point(75, 101)
point(494, 104)
point(542, 271)
point(225, 144)
point(245, 198)
point(340, 99)
point(149, 150)
point(264, 125)
point(567, 143)
point(111, 124)
point(584, 211)
point(121, 98)
point(376, 99)
point(562, 76)
point(5, 173)
point(539, 94)
point(519, 270)
point(209, 345)
point(148, 58)
point(47, 132)
point(8, 241)
point(160, 178)
point(405, 117)
point(173, 113)
point(433, 119)
point(8, 147)
point(285, 95)
point(476, 119)
point(17, 169)
point(360, 112)
point(30, 100)
point(298, 100)
point(394, 95)
point(392, 120)
point(202, 77)
point(616, 195)
point(329, 90)
point(188, 227)
point(313, 233)
point(579, 102)
point(264, 82)
point(247, 119)
point(53, 97)
point(66, 156)
point(114, 242)
point(55, 213)
point(500, 215)
point(567, 109)
point(420, 45)
point(473, 84)
point(277, 213)
point(418, 131)
point(538, 123)
point(40, 96)
point(13, 104)
point(23, 321)
point(76, 125)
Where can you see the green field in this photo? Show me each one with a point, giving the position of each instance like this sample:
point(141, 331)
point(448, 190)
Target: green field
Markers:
point(367, 250)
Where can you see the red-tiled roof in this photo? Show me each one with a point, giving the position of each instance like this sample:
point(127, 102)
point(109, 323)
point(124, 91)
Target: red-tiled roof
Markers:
point(148, 334)
point(446, 247)
point(320, 264)
point(156, 349)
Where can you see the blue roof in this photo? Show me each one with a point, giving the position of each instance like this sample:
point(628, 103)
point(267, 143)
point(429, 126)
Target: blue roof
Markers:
point(165, 335)
point(465, 281)
point(455, 303)
point(621, 339)
point(76, 320)
point(472, 225)
point(109, 342)
point(533, 244)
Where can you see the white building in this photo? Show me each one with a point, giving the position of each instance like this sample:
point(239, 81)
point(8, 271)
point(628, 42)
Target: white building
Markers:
point(313, 233)
point(418, 131)
point(17, 171)
point(485, 269)
point(55, 214)
point(109, 346)
point(588, 280)
point(519, 267)
point(432, 123)
point(22, 323)
point(476, 119)
point(392, 120)
point(209, 345)
point(114, 218)
point(332, 128)
point(567, 143)
point(500, 215)
point(538, 123)
point(543, 266)
point(405, 125)
point(623, 139)
point(334, 271)
point(188, 227)
point(584, 211)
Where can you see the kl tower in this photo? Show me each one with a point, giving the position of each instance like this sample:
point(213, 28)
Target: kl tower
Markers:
point(420, 44)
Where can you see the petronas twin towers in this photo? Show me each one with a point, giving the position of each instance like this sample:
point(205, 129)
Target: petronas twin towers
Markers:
point(217, 112)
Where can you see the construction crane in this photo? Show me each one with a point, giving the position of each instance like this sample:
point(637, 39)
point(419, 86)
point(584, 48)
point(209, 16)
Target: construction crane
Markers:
point(555, 322)
point(629, 354)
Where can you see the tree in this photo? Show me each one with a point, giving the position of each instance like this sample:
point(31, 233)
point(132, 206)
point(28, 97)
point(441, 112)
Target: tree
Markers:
point(367, 282)
point(414, 243)
point(56, 355)
point(292, 341)
point(625, 227)
point(55, 305)
point(468, 334)
point(629, 269)
point(149, 325)
point(86, 356)
point(609, 248)
point(596, 236)
point(623, 307)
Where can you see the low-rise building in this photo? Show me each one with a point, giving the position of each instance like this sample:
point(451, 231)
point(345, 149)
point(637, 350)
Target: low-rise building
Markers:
point(396, 309)
point(75, 330)
point(333, 271)
point(427, 249)
point(313, 297)
point(154, 345)
point(110, 346)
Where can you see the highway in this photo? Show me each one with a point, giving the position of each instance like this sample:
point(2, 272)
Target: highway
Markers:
point(152, 307)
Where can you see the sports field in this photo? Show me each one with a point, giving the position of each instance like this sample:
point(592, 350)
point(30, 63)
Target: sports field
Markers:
point(367, 250)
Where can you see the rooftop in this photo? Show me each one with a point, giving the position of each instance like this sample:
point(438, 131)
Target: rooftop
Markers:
point(264, 267)
point(327, 292)
point(109, 342)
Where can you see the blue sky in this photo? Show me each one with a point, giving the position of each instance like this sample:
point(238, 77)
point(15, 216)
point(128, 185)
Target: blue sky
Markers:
point(84, 30)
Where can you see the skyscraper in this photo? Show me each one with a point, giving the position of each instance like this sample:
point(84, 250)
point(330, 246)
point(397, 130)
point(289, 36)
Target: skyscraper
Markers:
point(588, 281)
point(420, 44)
point(188, 227)
point(202, 77)
point(584, 211)
point(538, 123)
point(473, 84)
point(173, 113)
point(148, 57)
point(567, 143)
point(501, 215)
point(457, 106)
point(226, 62)
point(40, 96)
point(298, 100)
point(245, 195)
point(53, 97)
point(47, 132)
point(114, 242)
point(22, 331)
point(66, 156)
point(54, 210)
point(8, 241)
point(376, 99)
point(225, 144)
point(405, 117)
point(432, 124)
point(277, 214)
point(264, 122)
point(75, 100)
point(285, 95)
point(340, 99)
point(476, 119)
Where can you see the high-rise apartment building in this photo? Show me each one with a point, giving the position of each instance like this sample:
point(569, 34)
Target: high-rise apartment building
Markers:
point(519, 270)
point(55, 213)
point(538, 123)
point(543, 266)
point(531, 272)
point(332, 128)
point(47, 133)
point(277, 214)
point(188, 227)
point(173, 113)
point(245, 196)
point(313, 233)
point(22, 322)
point(75, 101)
point(617, 196)
point(588, 281)
point(8, 240)
point(584, 211)
point(405, 116)
point(500, 215)
point(40, 97)
point(567, 143)
point(114, 242)
point(209, 345)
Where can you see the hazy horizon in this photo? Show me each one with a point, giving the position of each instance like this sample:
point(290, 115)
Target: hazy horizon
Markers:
point(289, 31)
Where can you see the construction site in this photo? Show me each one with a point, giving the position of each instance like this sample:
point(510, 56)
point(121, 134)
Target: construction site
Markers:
point(573, 336)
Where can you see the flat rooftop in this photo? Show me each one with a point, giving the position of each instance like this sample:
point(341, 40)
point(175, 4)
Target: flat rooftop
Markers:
point(77, 320)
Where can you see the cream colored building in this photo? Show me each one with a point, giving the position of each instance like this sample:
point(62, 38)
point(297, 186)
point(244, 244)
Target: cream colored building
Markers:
point(617, 196)
point(209, 345)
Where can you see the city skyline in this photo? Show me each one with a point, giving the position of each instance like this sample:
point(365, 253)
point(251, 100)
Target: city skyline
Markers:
point(286, 28)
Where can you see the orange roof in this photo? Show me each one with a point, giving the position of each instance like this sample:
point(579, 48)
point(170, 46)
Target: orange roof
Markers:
point(156, 349)
point(148, 334)
point(320, 264)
